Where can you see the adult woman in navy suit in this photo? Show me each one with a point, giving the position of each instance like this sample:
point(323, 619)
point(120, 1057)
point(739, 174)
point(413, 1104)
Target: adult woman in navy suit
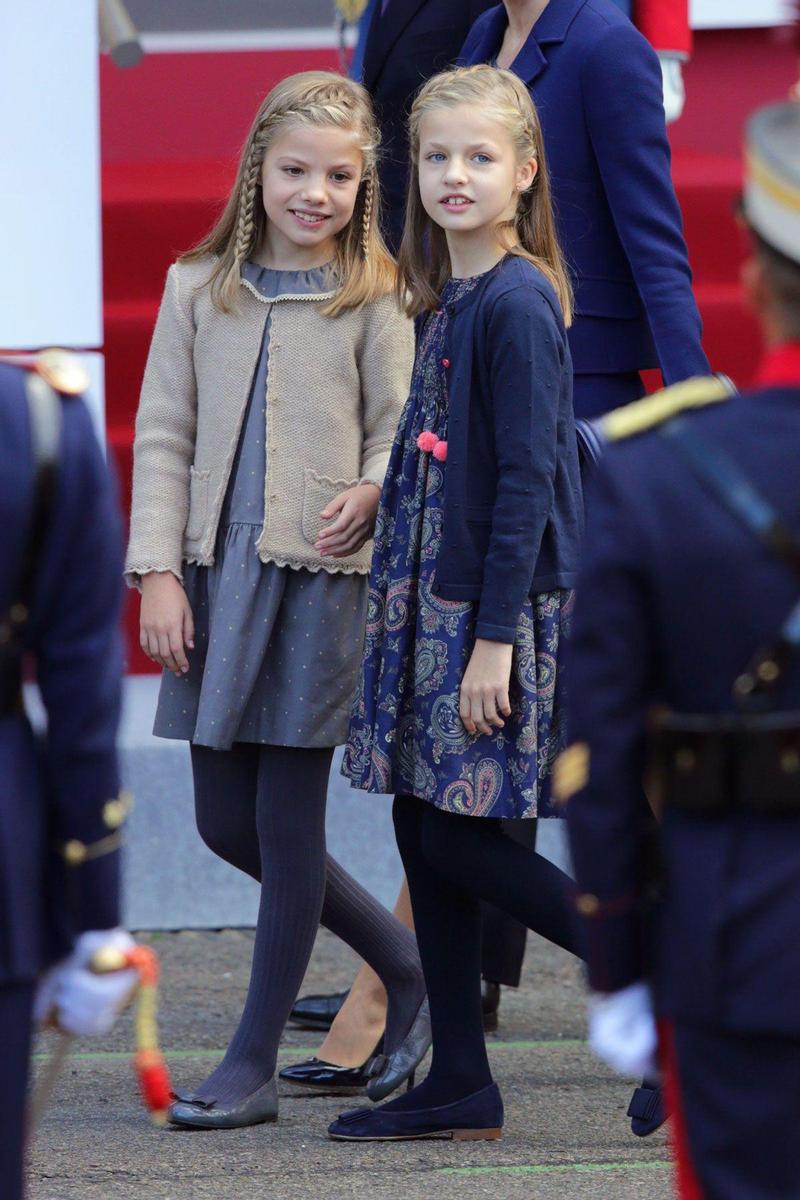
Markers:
point(597, 85)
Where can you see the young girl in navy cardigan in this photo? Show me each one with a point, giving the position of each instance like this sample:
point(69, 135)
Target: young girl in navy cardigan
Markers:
point(460, 709)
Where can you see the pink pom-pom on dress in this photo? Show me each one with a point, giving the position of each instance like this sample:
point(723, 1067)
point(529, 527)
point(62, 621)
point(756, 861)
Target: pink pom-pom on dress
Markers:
point(427, 441)
point(440, 451)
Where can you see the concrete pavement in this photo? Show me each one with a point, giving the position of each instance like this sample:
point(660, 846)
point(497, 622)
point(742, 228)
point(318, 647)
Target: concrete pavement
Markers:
point(566, 1136)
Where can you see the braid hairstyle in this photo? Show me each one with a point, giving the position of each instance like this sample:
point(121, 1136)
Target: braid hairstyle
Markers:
point(246, 221)
point(366, 216)
point(365, 269)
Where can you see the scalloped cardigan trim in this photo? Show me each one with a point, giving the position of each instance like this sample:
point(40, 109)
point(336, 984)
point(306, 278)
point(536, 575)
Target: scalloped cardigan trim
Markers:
point(335, 390)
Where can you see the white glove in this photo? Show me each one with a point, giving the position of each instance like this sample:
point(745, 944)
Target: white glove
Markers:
point(673, 86)
point(622, 1030)
point(76, 999)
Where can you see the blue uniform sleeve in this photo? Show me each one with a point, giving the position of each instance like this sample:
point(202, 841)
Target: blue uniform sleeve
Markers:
point(77, 646)
point(526, 351)
point(622, 90)
point(609, 672)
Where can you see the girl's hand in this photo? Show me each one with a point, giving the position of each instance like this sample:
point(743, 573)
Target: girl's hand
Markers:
point(357, 508)
point(484, 688)
point(165, 623)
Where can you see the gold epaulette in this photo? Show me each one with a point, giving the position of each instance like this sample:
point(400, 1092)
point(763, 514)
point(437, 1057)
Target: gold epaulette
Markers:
point(115, 812)
point(652, 411)
point(570, 772)
point(62, 370)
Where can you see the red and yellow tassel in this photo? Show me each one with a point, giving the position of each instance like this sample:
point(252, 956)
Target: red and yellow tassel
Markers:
point(151, 1069)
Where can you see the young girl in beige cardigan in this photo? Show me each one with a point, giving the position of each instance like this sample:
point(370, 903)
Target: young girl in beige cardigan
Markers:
point(279, 365)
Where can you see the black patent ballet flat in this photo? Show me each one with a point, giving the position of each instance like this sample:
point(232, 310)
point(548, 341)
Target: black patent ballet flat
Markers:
point(317, 1012)
point(328, 1077)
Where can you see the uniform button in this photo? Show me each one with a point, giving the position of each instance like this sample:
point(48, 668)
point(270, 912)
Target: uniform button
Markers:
point(790, 762)
point(587, 905)
point(685, 760)
point(445, 363)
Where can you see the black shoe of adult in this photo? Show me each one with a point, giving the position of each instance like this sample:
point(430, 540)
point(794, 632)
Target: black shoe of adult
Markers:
point(646, 1109)
point(490, 1003)
point(478, 1117)
point(317, 1012)
point(328, 1077)
point(260, 1106)
point(390, 1070)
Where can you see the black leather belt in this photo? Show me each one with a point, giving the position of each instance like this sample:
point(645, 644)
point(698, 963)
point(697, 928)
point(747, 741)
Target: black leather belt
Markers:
point(717, 765)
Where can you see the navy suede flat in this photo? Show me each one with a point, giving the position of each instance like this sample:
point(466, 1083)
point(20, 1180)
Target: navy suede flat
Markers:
point(478, 1117)
point(646, 1110)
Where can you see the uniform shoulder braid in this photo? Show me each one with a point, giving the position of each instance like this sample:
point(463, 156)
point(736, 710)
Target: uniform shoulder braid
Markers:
point(652, 411)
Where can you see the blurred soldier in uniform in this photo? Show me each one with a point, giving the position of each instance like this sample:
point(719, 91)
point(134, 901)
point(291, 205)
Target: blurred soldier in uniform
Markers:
point(686, 665)
point(60, 811)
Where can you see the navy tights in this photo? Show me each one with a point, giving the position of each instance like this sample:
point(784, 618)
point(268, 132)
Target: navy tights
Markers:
point(452, 863)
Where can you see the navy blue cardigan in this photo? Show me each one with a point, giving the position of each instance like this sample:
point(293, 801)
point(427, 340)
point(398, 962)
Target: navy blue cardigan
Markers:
point(513, 508)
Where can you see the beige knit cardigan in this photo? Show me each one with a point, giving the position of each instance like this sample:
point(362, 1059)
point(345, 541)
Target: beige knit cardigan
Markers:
point(335, 390)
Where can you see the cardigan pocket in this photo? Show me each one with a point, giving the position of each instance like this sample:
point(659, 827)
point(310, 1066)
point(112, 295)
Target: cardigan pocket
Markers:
point(318, 491)
point(198, 503)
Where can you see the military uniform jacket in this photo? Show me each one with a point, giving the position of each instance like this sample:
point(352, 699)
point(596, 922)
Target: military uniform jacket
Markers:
point(674, 598)
point(56, 792)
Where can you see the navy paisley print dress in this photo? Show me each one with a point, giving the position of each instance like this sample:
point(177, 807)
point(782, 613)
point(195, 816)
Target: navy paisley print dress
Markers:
point(406, 735)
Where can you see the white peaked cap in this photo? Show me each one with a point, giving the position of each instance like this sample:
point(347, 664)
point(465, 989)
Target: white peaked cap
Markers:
point(772, 177)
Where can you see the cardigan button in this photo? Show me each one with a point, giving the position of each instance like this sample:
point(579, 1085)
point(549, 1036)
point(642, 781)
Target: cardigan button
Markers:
point(445, 363)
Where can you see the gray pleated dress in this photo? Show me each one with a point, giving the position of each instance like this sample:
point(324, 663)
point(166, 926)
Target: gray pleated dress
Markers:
point(277, 651)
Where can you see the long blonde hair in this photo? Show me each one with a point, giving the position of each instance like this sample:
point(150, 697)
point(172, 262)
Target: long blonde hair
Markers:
point(364, 268)
point(424, 261)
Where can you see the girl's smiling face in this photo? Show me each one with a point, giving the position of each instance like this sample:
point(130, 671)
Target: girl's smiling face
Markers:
point(309, 183)
point(469, 177)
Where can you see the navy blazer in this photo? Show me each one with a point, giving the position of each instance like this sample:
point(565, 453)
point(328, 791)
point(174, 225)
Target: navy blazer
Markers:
point(512, 513)
point(405, 45)
point(54, 791)
point(674, 597)
point(596, 83)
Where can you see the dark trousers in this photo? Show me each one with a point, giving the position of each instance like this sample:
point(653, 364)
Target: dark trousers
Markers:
point(502, 937)
point(16, 1008)
point(736, 1100)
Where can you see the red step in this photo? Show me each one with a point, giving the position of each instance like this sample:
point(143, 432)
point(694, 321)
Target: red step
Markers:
point(128, 330)
point(708, 187)
point(152, 212)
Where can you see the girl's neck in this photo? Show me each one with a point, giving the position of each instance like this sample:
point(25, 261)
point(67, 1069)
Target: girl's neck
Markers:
point(474, 253)
point(522, 16)
point(281, 254)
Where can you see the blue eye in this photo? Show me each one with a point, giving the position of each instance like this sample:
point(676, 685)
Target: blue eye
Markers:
point(482, 158)
point(435, 156)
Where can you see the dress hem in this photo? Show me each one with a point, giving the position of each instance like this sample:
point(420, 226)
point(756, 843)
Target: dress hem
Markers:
point(362, 787)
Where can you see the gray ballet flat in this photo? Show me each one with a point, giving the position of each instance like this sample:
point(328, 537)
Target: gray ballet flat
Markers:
point(390, 1070)
point(260, 1106)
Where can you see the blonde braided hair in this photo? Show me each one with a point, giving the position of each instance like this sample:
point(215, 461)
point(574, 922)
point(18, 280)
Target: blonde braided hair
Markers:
point(245, 224)
point(364, 267)
point(366, 216)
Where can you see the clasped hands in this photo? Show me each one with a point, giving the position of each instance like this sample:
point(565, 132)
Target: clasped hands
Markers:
point(166, 624)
